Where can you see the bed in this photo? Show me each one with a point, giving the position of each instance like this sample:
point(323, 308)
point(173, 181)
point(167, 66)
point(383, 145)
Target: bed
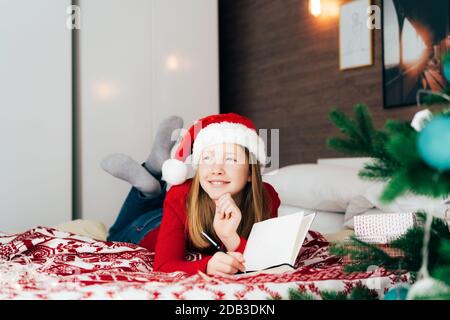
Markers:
point(50, 263)
point(45, 263)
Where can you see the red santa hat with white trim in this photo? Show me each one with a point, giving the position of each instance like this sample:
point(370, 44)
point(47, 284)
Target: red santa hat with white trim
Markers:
point(209, 131)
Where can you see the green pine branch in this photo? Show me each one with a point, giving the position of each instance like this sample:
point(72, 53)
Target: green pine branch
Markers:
point(333, 295)
point(394, 154)
point(376, 170)
point(436, 99)
point(359, 292)
point(362, 139)
point(442, 271)
point(365, 254)
point(297, 295)
point(347, 126)
point(396, 186)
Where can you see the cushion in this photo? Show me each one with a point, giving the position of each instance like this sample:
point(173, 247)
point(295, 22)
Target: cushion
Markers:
point(317, 186)
point(325, 222)
point(90, 228)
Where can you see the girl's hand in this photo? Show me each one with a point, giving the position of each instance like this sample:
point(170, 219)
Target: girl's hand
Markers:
point(227, 218)
point(225, 264)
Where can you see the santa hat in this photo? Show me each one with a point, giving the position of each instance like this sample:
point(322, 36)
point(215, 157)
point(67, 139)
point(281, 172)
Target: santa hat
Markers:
point(208, 131)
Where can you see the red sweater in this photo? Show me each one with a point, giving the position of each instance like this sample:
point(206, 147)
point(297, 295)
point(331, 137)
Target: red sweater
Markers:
point(169, 242)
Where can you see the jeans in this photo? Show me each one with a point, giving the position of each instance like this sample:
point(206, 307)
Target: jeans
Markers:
point(138, 216)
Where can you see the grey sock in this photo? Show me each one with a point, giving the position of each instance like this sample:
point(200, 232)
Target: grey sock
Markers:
point(162, 144)
point(124, 167)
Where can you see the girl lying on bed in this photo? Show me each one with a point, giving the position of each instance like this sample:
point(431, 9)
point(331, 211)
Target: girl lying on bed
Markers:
point(224, 199)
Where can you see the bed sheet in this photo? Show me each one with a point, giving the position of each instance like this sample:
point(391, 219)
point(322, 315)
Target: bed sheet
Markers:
point(44, 263)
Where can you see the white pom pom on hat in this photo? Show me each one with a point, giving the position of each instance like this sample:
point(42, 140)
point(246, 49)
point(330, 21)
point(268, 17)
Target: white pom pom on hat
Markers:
point(174, 171)
point(208, 131)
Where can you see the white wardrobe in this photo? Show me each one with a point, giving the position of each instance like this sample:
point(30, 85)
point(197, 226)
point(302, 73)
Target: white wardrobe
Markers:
point(35, 114)
point(136, 62)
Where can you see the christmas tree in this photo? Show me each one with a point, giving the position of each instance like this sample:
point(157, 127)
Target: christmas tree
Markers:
point(410, 157)
point(359, 292)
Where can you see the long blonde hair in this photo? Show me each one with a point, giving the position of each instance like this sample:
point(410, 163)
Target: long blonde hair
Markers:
point(252, 200)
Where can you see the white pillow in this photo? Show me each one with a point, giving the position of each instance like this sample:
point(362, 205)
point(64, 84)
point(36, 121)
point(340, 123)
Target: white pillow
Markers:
point(317, 186)
point(324, 222)
point(409, 202)
point(353, 162)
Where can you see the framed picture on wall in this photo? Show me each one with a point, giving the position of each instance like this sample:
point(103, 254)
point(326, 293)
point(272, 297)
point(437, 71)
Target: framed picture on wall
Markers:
point(415, 37)
point(355, 38)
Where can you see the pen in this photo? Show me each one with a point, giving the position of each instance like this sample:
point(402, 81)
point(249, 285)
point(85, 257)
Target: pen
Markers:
point(217, 247)
point(212, 242)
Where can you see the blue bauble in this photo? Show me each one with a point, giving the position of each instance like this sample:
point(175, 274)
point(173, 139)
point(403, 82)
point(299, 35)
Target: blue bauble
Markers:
point(446, 69)
point(397, 293)
point(433, 143)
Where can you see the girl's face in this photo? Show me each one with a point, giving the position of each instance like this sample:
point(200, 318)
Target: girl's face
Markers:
point(223, 168)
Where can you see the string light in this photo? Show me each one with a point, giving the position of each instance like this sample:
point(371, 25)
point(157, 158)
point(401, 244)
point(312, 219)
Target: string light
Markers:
point(315, 7)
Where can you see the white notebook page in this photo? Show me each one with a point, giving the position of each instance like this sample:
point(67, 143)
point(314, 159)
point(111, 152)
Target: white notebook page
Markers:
point(305, 225)
point(274, 241)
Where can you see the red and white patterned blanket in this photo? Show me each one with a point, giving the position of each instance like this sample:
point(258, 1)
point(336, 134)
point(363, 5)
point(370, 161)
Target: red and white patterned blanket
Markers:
point(44, 263)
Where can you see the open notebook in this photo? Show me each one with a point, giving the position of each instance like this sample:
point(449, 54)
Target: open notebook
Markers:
point(273, 245)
